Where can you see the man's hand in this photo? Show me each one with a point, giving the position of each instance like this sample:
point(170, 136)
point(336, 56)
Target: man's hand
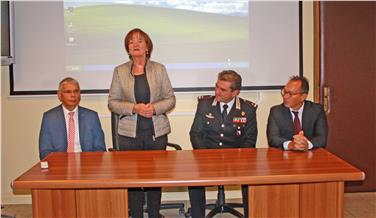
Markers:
point(299, 143)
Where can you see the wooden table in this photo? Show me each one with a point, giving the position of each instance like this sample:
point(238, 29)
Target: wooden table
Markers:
point(281, 183)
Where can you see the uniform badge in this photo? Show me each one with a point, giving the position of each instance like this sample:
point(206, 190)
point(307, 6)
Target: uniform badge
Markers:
point(243, 113)
point(209, 115)
point(241, 120)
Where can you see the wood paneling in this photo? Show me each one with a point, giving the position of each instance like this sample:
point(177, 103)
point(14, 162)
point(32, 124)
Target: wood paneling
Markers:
point(274, 201)
point(321, 199)
point(54, 203)
point(297, 200)
point(102, 203)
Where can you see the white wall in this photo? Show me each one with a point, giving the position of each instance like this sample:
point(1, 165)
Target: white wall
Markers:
point(21, 119)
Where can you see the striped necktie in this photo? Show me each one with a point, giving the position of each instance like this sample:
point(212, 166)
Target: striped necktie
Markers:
point(71, 132)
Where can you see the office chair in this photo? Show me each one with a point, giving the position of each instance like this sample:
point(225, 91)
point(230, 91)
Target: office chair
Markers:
point(220, 206)
point(115, 147)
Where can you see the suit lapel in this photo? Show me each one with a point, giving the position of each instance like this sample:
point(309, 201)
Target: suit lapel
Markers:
point(81, 125)
point(61, 125)
point(305, 115)
point(234, 112)
point(288, 120)
point(233, 108)
point(217, 111)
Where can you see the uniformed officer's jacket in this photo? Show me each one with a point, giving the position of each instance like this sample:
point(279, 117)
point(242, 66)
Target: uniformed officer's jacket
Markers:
point(239, 129)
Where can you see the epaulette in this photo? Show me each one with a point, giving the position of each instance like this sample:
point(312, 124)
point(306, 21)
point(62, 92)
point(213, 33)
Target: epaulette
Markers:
point(250, 103)
point(204, 97)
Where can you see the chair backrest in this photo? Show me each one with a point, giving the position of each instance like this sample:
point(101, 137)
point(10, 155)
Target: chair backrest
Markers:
point(114, 130)
point(173, 145)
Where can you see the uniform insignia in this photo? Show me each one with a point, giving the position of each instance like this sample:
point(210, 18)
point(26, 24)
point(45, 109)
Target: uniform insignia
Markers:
point(243, 113)
point(204, 97)
point(209, 115)
point(241, 120)
point(252, 104)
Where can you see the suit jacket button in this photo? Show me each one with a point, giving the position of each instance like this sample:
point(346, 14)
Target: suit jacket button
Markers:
point(221, 134)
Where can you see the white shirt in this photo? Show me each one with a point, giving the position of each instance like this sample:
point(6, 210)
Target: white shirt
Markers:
point(229, 104)
point(77, 145)
point(300, 116)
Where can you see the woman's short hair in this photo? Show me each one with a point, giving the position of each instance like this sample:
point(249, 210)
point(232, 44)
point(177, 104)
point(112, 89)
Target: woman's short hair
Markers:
point(145, 36)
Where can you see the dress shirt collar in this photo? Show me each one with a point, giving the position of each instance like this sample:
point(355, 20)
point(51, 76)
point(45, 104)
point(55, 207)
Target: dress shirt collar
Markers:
point(66, 111)
point(230, 104)
point(300, 109)
point(300, 114)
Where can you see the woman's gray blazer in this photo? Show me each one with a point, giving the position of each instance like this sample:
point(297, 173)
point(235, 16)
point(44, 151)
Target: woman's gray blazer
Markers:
point(121, 99)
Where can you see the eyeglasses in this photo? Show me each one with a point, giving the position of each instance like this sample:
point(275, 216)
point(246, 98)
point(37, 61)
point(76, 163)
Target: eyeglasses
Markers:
point(289, 93)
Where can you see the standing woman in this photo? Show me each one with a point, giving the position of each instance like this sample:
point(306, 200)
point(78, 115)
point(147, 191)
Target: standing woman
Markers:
point(141, 93)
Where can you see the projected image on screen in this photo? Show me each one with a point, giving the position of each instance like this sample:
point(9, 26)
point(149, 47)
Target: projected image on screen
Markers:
point(194, 39)
point(201, 37)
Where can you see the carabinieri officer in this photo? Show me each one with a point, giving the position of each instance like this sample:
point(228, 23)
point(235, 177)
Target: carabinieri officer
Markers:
point(222, 121)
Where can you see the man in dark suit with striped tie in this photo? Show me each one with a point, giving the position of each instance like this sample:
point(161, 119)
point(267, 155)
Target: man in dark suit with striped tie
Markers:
point(297, 124)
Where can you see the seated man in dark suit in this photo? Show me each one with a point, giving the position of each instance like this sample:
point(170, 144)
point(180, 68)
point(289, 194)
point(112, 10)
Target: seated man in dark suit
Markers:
point(297, 124)
point(69, 127)
point(222, 121)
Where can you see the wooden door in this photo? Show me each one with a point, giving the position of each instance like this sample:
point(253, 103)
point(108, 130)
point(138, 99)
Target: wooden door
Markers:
point(347, 65)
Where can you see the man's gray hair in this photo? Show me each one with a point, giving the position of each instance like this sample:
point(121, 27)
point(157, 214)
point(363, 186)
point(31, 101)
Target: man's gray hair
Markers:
point(67, 80)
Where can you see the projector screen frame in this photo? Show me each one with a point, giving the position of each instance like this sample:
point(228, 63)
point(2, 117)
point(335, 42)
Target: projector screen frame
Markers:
point(13, 92)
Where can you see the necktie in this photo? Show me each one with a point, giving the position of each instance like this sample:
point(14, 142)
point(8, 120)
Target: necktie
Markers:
point(71, 132)
point(297, 126)
point(224, 112)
